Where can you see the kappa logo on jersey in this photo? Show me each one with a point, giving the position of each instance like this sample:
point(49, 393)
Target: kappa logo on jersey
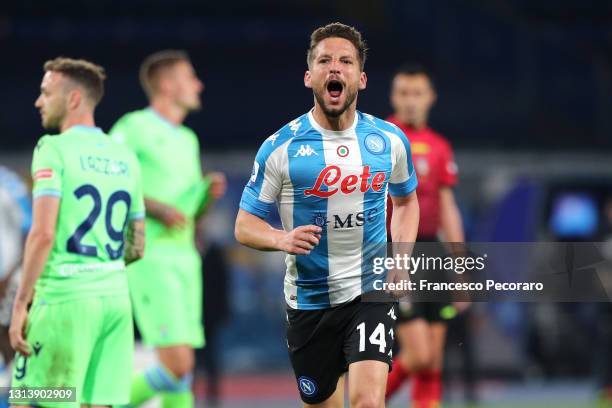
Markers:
point(254, 173)
point(273, 138)
point(43, 174)
point(331, 177)
point(294, 125)
point(305, 151)
point(369, 117)
point(307, 386)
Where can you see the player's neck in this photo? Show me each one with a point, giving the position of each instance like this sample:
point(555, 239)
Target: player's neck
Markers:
point(338, 124)
point(169, 111)
point(77, 119)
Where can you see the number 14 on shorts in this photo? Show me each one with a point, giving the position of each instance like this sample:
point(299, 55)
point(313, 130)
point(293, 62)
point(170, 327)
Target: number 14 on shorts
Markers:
point(376, 338)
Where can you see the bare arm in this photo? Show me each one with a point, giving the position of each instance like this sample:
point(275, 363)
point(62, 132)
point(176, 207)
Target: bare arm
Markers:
point(451, 227)
point(450, 217)
point(134, 241)
point(404, 228)
point(166, 214)
point(405, 218)
point(38, 245)
point(256, 233)
point(216, 190)
point(37, 248)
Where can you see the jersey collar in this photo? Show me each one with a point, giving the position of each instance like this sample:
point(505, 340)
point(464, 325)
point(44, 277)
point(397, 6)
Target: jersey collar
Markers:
point(318, 127)
point(161, 118)
point(84, 128)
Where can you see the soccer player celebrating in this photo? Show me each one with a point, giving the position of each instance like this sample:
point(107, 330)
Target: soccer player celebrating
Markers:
point(421, 327)
point(166, 286)
point(329, 171)
point(87, 223)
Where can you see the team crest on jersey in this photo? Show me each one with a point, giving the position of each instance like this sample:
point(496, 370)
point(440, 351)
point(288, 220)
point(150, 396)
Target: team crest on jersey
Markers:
point(375, 143)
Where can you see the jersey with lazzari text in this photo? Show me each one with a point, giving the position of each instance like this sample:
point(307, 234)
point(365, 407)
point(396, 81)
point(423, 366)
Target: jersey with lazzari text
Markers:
point(98, 184)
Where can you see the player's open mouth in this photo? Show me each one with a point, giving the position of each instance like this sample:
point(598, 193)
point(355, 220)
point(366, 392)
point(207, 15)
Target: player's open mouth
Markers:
point(334, 88)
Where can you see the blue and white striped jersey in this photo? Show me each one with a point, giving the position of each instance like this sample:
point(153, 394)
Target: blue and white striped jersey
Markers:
point(337, 180)
point(15, 218)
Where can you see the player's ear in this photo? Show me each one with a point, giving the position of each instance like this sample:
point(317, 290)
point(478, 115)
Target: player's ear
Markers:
point(75, 98)
point(363, 80)
point(307, 79)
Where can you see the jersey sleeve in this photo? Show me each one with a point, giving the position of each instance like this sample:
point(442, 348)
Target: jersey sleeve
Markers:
point(448, 174)
point(403, 180)
point(137, 209)
point(265, 183)
point(47, 169)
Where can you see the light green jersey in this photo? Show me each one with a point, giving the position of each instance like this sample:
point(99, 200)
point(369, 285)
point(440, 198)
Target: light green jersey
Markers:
point(169, 157)
point(98, 182)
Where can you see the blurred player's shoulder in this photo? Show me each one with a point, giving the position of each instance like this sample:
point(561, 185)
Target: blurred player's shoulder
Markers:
point(439, 138)
point(127, 126)
point(135, 116)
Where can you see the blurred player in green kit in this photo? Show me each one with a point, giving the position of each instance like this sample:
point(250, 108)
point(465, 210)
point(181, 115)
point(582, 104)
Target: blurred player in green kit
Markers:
point(166, 286)
point(87, 224)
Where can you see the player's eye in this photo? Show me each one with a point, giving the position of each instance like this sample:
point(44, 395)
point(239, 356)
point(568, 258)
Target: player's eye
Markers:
point(347, 61)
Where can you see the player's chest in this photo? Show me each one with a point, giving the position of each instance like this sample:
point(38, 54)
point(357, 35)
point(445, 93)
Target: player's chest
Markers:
point(426, 160)
point(326, 168)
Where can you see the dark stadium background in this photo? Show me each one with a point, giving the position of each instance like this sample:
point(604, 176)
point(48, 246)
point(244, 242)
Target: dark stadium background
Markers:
point(525, 97)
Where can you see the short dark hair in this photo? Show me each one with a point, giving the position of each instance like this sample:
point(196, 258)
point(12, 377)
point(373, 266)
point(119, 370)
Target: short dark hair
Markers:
point(338, 30)
point(411, 69)
point(155, 63)
point(87, 74)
